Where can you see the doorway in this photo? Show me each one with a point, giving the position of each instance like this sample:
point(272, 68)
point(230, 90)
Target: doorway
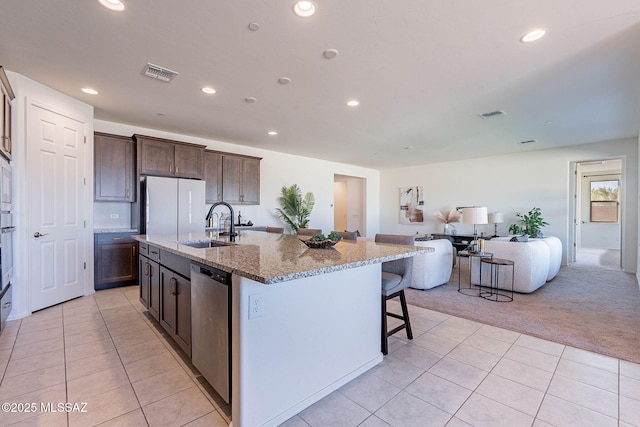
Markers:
point(599, 207)
point(349, 203)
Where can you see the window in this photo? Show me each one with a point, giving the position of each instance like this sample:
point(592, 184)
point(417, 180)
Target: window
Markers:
point(604, 201)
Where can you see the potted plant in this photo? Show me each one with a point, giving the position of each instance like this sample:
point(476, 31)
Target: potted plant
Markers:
point(530, 224)
point(294, 209)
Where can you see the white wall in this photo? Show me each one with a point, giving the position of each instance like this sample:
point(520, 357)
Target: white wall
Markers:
point(24, 89)
point(509, 184)
point(277, 170)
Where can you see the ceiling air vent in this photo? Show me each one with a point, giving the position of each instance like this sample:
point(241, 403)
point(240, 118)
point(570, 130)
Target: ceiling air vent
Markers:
point(159, 73)
point(528, 141)
point(492, 114)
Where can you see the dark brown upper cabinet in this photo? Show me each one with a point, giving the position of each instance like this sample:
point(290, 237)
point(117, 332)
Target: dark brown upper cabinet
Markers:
point(6, 96)
point(241, 179)
point(114, 171)
point(163, 157)
point(213, 175)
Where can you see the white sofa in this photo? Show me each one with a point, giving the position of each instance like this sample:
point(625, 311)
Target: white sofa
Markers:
point(536, 262)
point(434, 268)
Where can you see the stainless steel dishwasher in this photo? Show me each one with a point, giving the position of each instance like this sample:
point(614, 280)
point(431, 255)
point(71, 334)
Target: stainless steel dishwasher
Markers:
point(210, 326)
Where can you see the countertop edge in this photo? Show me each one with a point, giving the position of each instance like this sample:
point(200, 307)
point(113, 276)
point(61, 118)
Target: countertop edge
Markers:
point(284, 277)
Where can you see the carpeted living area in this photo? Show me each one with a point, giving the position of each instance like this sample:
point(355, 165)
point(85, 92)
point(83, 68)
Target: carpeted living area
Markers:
point(586, 306)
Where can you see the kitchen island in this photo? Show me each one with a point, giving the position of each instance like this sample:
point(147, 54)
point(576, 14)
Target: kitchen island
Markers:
point(318, 326)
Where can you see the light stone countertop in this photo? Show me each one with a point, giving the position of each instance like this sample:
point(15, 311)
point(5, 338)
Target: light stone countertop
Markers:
point(272, 258)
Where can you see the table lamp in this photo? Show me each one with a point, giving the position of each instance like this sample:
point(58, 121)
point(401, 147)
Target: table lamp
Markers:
point(475, 216)
point(496, 218)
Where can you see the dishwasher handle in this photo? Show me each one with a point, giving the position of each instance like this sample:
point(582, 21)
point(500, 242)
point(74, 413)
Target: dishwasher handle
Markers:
point(218, 276)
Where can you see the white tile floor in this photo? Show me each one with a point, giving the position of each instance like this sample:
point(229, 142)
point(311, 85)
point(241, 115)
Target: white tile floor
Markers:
point(102, 350)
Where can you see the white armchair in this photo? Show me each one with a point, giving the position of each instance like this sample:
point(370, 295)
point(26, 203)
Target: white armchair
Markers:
point(536, 262)
point(433, 268)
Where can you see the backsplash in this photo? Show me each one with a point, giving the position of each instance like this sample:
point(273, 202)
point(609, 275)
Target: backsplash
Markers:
point(111, 215)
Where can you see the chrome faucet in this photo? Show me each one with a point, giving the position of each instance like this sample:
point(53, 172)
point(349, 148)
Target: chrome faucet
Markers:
point(232, 230)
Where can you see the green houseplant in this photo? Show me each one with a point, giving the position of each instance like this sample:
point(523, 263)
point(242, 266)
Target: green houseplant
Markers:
point(294, 209)
point(529, 224)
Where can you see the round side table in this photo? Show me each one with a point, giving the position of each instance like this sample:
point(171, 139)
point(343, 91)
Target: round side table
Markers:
point(495, 293)
point(470, 290)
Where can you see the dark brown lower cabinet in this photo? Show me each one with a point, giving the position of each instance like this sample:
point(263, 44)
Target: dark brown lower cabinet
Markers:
point(175, 310)
point(115, 257)
point(149, 280)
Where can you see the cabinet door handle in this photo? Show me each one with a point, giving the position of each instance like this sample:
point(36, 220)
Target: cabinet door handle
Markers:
point(128, 193)
point(170, 167)
point(133, 250)
point(147, 268)
point(116, 238)
point(173, 286)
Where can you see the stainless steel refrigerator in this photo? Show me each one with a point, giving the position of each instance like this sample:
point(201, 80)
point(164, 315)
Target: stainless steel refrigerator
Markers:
point(172, 206)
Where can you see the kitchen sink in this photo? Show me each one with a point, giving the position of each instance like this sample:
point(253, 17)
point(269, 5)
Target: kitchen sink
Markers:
point(203, 244)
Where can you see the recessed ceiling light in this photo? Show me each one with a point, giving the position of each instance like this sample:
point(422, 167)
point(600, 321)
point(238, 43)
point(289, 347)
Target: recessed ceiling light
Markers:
point(353, 103)
point(284, 80)
point(89, 91)
point(250, 100)
point(272, 133)
point(116, 5)
point(254, 26)
point(533, 35)
point(208, 90)
point(304, 9)
point(330, 53)
point(408, 147)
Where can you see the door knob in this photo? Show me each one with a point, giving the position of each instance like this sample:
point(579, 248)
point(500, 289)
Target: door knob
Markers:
point(39, 234)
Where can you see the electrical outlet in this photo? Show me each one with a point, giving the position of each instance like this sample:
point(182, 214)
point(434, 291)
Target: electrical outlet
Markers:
point(256, 306)
point(114, 216)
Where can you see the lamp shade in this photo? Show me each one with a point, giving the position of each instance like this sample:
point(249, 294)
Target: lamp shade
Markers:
point(474, 215)
point(496, 218)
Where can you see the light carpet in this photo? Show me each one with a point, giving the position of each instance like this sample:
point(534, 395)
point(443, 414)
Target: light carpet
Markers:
point(591, 307)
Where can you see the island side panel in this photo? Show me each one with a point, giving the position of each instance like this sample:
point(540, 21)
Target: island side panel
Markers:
point(315, 335)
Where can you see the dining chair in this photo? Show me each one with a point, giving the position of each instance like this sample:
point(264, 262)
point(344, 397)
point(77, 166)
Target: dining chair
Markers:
point(396, 277)
point(309, 231)
point(347, 235)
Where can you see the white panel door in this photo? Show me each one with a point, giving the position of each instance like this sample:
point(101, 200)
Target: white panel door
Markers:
point(55, 167)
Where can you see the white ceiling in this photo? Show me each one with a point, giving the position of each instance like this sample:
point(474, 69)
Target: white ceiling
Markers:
point(422, 70)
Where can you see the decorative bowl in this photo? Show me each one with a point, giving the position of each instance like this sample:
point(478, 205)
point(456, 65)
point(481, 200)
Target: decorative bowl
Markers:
point(321, 244)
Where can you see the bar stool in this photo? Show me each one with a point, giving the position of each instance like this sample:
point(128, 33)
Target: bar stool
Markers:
point(396, 276)
point(494, 294)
